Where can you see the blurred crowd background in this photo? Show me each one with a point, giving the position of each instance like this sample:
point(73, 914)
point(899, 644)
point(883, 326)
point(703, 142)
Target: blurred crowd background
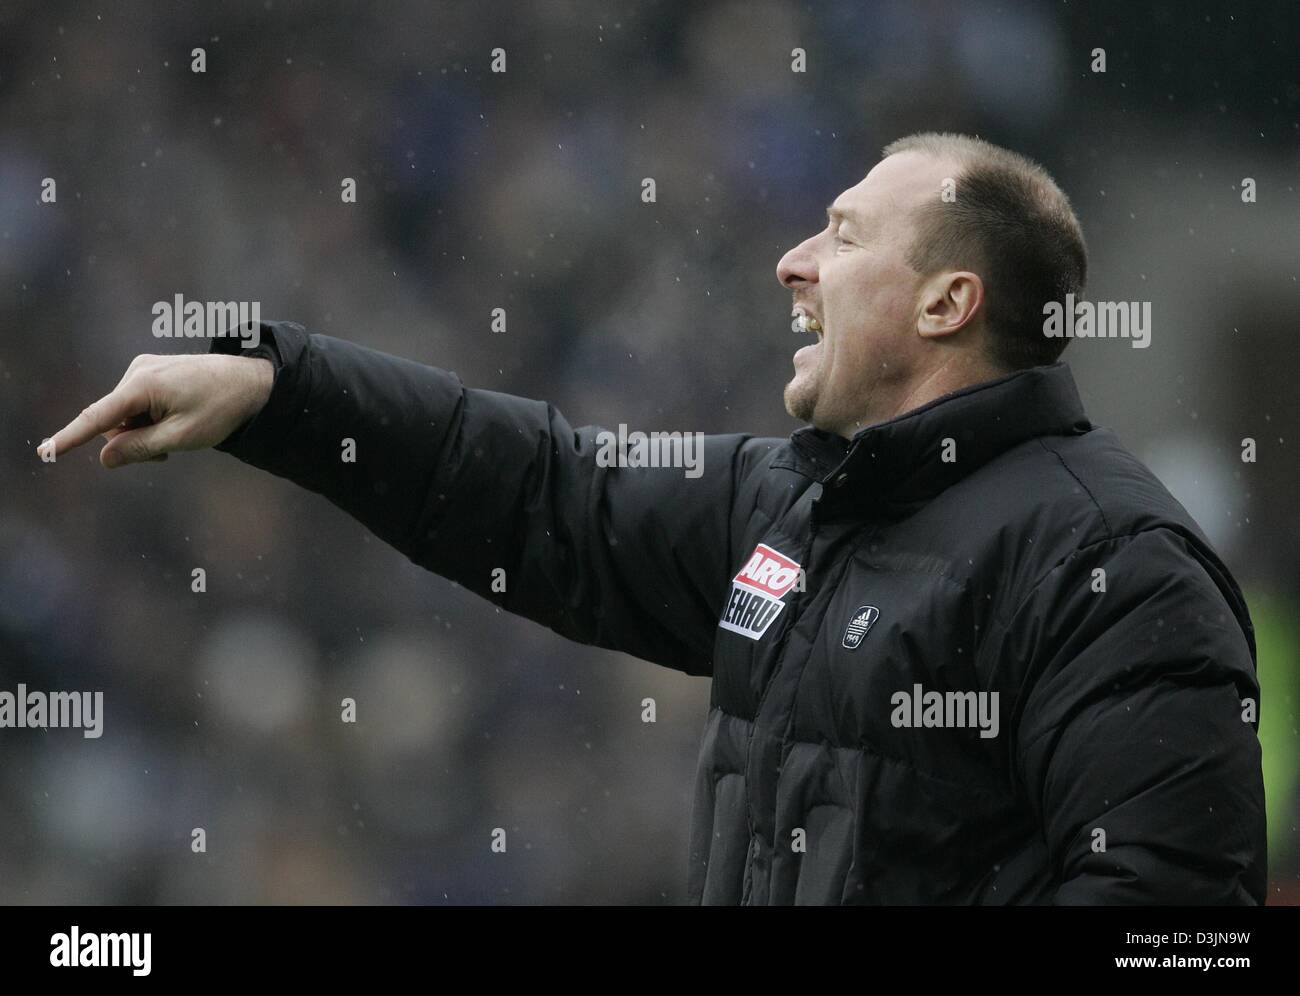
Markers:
point(522, 191)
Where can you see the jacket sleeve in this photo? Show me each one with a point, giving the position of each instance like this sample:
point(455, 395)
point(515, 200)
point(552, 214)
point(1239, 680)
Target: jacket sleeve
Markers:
point(471, 483)
point(1131, 739)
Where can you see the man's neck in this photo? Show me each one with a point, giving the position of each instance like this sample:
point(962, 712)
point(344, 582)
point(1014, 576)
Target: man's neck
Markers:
point(951, 375)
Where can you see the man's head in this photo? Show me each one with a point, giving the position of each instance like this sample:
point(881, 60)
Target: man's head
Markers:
point(930, 275)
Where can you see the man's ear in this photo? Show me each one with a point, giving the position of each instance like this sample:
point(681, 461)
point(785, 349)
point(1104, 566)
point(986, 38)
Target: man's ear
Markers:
point(949, 302)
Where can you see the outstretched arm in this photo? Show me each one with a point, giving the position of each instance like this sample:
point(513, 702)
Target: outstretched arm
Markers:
point(464, 482)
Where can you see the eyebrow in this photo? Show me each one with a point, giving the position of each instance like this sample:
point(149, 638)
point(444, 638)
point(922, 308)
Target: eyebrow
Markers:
point(834, 214)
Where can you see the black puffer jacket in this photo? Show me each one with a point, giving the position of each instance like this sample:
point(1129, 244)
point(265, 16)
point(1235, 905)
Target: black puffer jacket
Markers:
point(978, 655)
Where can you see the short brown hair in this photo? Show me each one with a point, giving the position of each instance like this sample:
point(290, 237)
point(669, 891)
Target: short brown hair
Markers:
point(1011, 224)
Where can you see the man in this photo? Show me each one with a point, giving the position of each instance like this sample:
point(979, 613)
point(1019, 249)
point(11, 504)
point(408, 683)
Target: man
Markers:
point(964, 647)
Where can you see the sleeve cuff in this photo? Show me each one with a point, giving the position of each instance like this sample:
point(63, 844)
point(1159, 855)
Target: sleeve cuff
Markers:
point(283, 343)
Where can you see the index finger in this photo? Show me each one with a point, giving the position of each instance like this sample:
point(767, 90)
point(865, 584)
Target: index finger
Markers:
point(98, 417)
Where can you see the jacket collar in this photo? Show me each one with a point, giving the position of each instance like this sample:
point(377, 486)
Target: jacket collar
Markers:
point(900, 463)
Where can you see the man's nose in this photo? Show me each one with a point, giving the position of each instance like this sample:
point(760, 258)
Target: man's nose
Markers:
point(798, 267)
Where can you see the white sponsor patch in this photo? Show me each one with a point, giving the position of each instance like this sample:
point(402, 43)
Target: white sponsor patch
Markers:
point(758, 592)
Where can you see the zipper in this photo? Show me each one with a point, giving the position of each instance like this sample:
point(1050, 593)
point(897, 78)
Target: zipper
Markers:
point(800, 596)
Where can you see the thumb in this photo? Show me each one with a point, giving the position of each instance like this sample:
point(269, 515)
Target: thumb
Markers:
point(150, 442)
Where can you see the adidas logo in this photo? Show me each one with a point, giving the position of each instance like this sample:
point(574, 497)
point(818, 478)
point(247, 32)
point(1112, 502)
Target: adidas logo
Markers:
point(858, 626)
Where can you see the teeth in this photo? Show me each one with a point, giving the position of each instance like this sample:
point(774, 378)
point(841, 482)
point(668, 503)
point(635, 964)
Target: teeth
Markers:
point(803, 323)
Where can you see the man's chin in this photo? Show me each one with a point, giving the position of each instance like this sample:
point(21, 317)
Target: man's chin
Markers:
point(800, 400)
